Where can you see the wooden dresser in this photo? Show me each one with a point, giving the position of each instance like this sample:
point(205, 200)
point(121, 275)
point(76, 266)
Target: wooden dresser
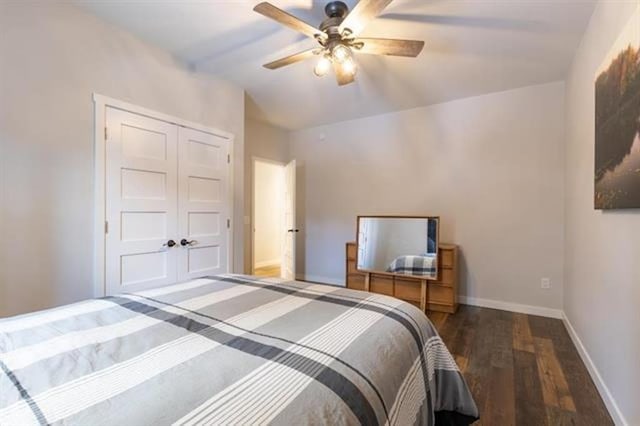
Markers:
point(441, 295)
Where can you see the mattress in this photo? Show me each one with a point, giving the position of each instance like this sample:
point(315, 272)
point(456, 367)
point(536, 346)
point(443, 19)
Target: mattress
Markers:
point(230, 350)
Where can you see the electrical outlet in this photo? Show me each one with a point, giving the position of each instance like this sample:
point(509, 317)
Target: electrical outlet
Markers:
point(545, 283)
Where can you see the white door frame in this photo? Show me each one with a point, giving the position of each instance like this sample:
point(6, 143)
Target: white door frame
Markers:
point(100, 107)
point(254, 160)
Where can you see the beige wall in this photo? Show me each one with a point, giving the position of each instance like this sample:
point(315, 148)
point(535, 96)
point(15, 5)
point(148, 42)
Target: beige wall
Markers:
point(261, 141)
point(268, 213)
point(602, 250)
point(53, 57)
point(491, 167)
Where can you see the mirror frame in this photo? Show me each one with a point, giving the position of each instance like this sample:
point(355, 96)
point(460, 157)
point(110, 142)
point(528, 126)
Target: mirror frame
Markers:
point(393, 274)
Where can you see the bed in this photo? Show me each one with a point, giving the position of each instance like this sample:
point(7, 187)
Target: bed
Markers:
point(230, 349)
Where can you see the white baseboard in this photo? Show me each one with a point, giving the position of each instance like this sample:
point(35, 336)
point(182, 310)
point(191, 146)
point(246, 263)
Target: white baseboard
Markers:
point(614, 410)
point(512, 307)
point(319, 279)
point(265, 263)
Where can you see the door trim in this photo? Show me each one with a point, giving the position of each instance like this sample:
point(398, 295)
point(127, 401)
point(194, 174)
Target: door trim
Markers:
point(100, 108)
point(255, 159)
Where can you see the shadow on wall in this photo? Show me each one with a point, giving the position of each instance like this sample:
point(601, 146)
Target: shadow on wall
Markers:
point(252, 110)
point(463, 273)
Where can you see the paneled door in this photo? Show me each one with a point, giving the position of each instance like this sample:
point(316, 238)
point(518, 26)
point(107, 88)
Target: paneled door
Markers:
point(203, 203)
point(288, 269)
point(141, 202)
point(167, 203)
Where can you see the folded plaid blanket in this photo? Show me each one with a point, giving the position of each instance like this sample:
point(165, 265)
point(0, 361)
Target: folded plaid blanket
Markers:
point(230, 350)
point(413, 265)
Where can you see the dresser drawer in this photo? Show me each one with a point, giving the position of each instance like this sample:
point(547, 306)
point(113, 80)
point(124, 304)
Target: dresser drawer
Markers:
point(446, 258)
point(382, 284)
point(355, 281)
point(415, 303)
point(447, 277)
point(441, 295)
point(351, 267)
point(351, 251)
point(408, 289)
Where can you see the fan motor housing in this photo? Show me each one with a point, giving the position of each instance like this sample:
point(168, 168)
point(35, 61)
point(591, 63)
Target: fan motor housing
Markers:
point(336, 9)
point(330, 25)
point(336, 12)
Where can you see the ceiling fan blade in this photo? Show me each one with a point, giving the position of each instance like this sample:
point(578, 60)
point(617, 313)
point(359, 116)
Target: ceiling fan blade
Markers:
point(391, 47)
point(288, 20)
point(342, 77)
point(291, 59)
point(365, 11)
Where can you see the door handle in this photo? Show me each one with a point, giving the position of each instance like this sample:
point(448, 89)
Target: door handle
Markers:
point(184, 242)
point(293, 230)
point(169, 244)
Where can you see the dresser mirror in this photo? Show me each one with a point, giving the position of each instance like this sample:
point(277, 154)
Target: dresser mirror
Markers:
point(398, 245)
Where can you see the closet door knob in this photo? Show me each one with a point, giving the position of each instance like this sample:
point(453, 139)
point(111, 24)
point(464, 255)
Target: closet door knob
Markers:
point(293, 230)
point(169, 244)
point(184, 242)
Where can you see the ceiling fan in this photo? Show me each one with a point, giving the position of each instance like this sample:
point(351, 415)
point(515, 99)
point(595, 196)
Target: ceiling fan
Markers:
point(338, 38)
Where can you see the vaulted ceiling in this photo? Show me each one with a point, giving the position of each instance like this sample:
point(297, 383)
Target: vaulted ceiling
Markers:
point(472, 47)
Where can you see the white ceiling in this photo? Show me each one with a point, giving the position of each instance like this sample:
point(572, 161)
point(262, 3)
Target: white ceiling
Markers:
point(472, 47)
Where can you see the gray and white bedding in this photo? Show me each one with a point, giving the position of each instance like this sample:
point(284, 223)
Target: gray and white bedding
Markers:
point(424, 265)
point(230, 350)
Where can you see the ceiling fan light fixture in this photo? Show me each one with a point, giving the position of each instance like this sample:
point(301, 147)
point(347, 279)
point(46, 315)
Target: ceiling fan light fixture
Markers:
point(323, 66)
point(338, 38)
point(349, 66)
point(341, 53)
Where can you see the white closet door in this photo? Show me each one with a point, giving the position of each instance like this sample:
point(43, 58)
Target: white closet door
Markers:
point(203, 204)
point(141, 202)
point(288, 270)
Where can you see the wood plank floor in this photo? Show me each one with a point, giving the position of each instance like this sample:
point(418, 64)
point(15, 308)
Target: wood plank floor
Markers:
point(522, 369)
point(268, 271)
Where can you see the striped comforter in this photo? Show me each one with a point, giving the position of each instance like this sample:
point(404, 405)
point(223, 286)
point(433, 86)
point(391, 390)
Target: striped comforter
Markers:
point(230, 350)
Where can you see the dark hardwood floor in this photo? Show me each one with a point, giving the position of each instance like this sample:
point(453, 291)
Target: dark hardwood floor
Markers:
point(522, 369)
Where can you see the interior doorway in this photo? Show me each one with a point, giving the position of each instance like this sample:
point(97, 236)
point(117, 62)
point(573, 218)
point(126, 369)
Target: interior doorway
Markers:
point(273, 226)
